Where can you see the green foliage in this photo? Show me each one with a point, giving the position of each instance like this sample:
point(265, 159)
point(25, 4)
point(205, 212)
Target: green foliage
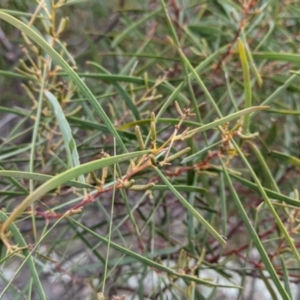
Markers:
point(158, 139)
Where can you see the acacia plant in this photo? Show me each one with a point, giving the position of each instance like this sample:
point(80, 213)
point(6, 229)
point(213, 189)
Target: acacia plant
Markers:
point(145, 144)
